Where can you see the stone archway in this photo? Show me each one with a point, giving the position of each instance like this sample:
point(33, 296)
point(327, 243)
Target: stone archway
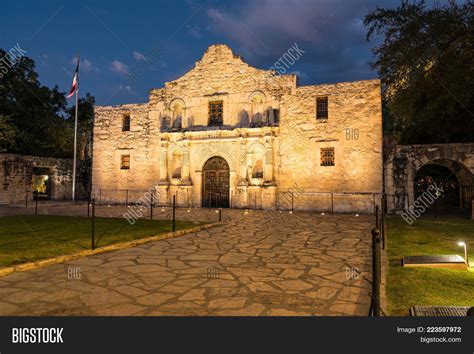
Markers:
point(215, 183)
point(463, 176)
point(403, 163)
point(447, 185)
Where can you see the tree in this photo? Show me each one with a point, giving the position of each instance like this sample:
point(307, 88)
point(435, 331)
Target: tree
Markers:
point(34, 119)
point(8, 134)
point(426, 65)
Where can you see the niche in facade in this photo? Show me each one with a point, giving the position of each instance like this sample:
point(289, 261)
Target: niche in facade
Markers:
point(258, 107)
point(177, 108)
point(256, 156)
point(176, 164)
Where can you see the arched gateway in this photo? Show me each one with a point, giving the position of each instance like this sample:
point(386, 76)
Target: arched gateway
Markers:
point(215, 184)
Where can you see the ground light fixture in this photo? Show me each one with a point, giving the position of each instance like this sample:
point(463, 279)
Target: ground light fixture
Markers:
point(463, 244)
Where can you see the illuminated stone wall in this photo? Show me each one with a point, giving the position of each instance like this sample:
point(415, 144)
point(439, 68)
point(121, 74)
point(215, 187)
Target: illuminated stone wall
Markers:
point(17, 177)
point(269, 125)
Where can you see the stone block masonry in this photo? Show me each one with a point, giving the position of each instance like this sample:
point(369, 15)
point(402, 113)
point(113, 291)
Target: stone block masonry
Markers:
point(270, 133)
point(18, 173)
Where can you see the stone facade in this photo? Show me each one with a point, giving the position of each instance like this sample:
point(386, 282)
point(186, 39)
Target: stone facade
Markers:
point(18, 172)
point(269, 137)
point(404, 161)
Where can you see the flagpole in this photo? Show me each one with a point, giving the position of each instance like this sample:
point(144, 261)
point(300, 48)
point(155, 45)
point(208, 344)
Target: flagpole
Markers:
point(75, 144)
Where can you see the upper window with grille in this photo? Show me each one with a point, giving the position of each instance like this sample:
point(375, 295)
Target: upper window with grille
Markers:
point(215, 113)
point(125, 162)
point(327, 156)
point(322, 108)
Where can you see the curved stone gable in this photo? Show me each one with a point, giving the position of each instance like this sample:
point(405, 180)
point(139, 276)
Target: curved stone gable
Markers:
point(220, 71)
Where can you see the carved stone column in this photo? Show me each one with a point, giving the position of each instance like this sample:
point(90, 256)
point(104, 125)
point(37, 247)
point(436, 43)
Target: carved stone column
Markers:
point(268, 172)
point(185, 168)
point(242, 169)
point(164, 165)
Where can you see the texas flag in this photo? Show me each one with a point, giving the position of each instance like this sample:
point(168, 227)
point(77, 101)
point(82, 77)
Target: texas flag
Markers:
point(75, 81)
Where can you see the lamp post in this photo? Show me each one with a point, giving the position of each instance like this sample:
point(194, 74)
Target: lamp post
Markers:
point(463, 244)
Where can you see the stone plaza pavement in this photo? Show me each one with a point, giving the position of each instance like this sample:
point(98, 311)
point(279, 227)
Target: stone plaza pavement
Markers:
point(256, 263)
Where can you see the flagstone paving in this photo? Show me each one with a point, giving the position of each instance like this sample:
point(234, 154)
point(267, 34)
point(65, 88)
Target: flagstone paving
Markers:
point(256, 264)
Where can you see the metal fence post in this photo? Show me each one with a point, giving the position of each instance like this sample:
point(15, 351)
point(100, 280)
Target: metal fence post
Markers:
point(376, 273)
point(88, 206)
point(151, 204)
point(35, 194)
point(373, 201)
point(174, 213)
point(93, 225)
point(377, 217)
point(220, 215)
point(332, 202)
point(382, 220)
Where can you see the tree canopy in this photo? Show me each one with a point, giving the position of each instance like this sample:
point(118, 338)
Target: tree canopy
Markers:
point(35, 119)
point(426, 64)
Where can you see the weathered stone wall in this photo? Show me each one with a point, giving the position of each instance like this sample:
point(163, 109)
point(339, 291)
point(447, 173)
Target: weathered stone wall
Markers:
point(142, 143)
point(404, 161)
point(268, 122)
point(353, 129)
point(220, 75)
point(17, 177)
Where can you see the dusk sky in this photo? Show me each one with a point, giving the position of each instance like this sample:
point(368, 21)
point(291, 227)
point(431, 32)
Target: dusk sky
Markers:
point(115, 36)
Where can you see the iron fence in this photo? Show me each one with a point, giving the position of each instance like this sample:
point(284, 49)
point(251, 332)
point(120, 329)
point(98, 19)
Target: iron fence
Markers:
point(333, 202)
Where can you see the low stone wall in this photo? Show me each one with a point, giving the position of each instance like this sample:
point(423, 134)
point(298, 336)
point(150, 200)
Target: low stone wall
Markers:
point(17, 177)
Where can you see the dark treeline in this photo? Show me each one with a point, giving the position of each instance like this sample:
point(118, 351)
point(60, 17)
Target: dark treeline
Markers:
point(426, 64)
point(35, 119)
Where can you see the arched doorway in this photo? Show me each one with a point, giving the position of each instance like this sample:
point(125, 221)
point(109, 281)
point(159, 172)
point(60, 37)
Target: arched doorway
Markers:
point(448, 200)
point(215, 183)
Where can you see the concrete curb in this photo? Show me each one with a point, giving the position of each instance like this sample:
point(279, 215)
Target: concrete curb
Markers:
point(117, 246)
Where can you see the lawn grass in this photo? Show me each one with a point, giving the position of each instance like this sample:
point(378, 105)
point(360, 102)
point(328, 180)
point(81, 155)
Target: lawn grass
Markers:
point(407, 287)
point(30, 238)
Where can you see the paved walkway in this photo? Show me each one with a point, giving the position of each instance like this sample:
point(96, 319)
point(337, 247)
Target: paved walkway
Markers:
point(255, 263)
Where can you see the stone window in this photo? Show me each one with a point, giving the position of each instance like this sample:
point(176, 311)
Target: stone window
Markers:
point(327, 156)
point(125, 162)
point(276, 116)
point(176, 161)
point(215, 113)
point(126, 123)
point(322, 108)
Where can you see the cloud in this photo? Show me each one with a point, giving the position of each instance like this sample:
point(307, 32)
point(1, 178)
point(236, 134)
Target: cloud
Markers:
point(331, 32)
point(119, 67)
point(194, 31)
point(85, 65)
point(138, 56)
point(263, 27)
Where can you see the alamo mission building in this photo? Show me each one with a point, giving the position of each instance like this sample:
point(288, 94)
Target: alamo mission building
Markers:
point(230, 135)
